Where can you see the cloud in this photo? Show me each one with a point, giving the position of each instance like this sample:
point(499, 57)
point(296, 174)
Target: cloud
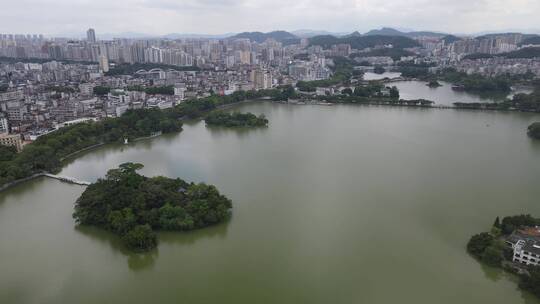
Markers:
point(220, 16)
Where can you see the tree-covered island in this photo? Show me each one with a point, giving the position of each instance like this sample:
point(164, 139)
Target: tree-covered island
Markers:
point(434, 84)
point(514, 245)
point(134, 206)
point(235, 119)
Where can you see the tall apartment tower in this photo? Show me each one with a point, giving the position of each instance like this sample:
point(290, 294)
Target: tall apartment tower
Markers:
point(103, 63)
point(91, 35)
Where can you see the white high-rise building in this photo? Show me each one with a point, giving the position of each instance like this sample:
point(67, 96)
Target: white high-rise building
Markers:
point(91, 35)
point(4, 126)
point(103, 63)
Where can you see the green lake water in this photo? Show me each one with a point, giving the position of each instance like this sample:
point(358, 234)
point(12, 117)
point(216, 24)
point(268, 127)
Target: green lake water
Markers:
point(331, 204)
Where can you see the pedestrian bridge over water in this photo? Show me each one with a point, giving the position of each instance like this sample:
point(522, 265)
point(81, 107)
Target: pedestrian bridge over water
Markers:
point(67, 179)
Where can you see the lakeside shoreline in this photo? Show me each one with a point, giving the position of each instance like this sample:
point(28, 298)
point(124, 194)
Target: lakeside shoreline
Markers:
point(440, 107)
point(93, 147)
point(232, 105)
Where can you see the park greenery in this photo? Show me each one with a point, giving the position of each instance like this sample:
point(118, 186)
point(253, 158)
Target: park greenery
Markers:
point(490, 248)
point(534, 130)
point(7, 153)
point(520, 102)
point(224, 119)
point(371, 93)
point(101, 90)
point(134, 206)
point(475, 82)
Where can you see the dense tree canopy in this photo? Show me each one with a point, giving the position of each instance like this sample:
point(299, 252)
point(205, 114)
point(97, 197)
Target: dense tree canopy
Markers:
point(162, 90)
point(534, 130)
point(478, 244)
point(133, 206)
point(531, 282)
point(476, 82)
point(236, 119)
point(100, 90)
point(511, 223)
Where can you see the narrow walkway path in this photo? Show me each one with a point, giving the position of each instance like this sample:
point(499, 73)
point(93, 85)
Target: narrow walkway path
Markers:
point(68, 179)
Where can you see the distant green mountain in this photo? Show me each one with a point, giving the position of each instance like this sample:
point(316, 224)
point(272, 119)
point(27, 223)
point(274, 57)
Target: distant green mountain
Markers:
point(362, 42)
point(450, 39)
point(530, 52)
point(531, 40)
point(353, 34)
point(387, 31)
point(525, 53)
point(494, 35)
point(281, 36)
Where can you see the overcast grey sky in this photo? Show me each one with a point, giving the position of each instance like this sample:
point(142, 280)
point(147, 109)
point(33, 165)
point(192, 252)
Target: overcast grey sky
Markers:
point(52, 17)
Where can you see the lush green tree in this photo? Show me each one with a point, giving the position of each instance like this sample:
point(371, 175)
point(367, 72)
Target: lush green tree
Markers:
point(378, 69)
point(511, 223)
point(347, 91)
point(531, 282)
point(164, 90)
point(121, 221)
point(7, 153)
point(434, 84)
point(100, 90)
point(534, 130)
point(478, 244)
point(476, 82)
point(175, 218)
point(394, 93)
point(225, 119)
point(125, 200)
point(493, 254)
point(140, 238)
point(497, 222)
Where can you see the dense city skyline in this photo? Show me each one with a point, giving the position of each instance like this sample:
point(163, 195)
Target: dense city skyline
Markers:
point(66, 18)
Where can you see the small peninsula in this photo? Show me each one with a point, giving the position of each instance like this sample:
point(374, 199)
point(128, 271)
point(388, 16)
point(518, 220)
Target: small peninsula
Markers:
point(232, 120)
point(134, 206)
point(514, 245)
point(534, 130)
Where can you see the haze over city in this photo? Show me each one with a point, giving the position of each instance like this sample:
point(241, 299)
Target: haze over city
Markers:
point(160, 17)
